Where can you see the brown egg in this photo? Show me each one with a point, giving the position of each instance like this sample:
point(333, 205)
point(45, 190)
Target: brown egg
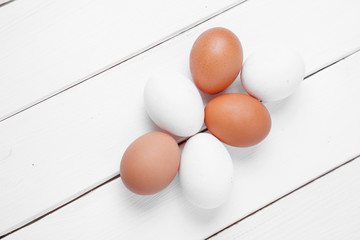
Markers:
point(150, 163)
point(215, 60)
point(237, 119)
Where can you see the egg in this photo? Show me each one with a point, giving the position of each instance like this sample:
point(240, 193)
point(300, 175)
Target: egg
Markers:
point(150, 163)
point(237, 119)
point(174, 103)
point(215, 60)
point(272, 74)
point(206, 171)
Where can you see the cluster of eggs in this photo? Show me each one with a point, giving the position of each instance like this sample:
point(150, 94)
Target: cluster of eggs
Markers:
point(174, 104)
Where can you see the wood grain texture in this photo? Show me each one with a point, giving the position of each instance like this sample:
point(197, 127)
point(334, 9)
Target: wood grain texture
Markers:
point(48, 46)
point(313, 131)
point(71, 143)
point(326, 209)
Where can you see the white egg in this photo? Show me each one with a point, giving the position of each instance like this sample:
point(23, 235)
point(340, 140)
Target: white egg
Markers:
point(174, 103)
point(272, 74)
point(206, 171)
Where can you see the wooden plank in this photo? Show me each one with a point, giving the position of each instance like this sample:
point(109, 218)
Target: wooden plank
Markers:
point(65, 146)
point(48, 46)
point(313, 131)
point(326, 209)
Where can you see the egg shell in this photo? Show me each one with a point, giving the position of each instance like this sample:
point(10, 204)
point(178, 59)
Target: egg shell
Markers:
point(215, 60)
point(272, 74)
point(174, 103)
point(150, 163)
point(237, 119)
point(206, 171)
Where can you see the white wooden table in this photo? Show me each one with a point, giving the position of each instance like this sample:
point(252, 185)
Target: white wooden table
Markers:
point(72, 74)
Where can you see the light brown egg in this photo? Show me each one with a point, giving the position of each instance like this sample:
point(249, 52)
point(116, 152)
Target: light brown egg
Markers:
point(215, 60)
point(237, 119)
point(150, 163)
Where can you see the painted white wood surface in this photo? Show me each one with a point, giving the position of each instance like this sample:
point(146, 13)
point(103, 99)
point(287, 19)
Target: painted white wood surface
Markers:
point(63, 147)
point(47, 46)
point(326, 209)
point(313, 131)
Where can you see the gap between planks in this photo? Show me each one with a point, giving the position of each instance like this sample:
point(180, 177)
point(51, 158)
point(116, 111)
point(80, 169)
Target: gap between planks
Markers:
point(125, 59)
point(211, 236)
point(4, 2)
point(112, 178)
point(182, 141)
point(284, 196)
